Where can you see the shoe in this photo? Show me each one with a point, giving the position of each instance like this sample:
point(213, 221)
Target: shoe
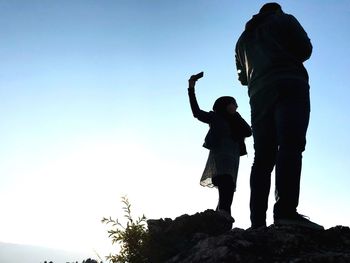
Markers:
point(226, 215)
point(297, 220)
point(257, 226)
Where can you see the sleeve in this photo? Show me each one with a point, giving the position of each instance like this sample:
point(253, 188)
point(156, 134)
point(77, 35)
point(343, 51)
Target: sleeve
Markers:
point(242, 74)
point(243, 128)
point(201, 115)
point(240, 63)
point(296, 39)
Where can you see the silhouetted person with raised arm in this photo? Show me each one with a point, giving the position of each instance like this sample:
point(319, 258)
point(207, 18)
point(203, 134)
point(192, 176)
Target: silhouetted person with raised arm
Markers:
point(225, 140)
point(269, 57)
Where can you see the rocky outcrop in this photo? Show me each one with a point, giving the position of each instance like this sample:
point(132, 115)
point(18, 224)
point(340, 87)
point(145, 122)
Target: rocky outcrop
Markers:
point(207, 237)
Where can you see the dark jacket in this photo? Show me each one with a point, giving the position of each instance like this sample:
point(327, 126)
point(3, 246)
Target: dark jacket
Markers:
point(272, 50)
point(237, 127)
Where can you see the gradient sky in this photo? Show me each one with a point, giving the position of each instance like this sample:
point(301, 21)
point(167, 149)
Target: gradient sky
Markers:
point(93, 106)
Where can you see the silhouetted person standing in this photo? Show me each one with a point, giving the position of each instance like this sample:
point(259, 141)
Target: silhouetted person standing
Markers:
point(269, 58)
point(225, 140)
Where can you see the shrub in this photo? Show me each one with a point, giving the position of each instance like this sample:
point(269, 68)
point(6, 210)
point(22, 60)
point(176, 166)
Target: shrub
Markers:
point(132, 238)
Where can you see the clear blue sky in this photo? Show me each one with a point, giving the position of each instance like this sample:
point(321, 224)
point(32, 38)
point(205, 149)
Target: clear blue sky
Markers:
point(93, 106)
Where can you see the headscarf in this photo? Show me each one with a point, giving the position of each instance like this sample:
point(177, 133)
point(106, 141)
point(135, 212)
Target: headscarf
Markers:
point(220, 107)
point(221, 103)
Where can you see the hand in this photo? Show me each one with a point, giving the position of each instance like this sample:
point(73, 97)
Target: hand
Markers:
point(232, 108)
point(193, 79)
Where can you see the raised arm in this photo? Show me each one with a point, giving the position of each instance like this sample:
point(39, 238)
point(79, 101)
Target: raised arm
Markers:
point(197, 112)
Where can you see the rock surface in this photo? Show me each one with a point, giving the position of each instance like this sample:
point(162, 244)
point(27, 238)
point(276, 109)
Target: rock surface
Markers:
point(207, 237)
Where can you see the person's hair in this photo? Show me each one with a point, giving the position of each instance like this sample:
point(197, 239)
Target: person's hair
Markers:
point(222, 102)
point(270, 7)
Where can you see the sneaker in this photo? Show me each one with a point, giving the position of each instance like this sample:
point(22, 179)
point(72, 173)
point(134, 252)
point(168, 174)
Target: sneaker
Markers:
point(298, 220)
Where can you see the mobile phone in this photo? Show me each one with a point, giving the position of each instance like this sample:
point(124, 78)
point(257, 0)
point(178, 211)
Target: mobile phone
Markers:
point(197, 76)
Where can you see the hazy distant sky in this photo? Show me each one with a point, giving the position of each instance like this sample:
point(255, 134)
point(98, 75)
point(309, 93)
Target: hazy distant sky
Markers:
point(93, 106)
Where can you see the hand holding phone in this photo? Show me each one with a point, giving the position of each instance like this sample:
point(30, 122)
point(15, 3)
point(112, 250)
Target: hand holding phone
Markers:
point(197, 76)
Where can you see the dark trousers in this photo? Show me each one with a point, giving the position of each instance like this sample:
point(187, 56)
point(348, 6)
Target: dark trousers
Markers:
point(279, 140)
point(226, 188)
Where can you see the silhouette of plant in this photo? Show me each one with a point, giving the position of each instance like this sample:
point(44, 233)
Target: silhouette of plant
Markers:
point(132, 238)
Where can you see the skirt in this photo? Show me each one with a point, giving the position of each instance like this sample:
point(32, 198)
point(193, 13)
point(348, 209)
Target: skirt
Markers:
point(222, 160)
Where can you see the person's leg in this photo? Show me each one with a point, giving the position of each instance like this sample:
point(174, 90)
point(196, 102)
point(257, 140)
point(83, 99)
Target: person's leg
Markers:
point(265, 147)
point(226, 189)
point(292, 119)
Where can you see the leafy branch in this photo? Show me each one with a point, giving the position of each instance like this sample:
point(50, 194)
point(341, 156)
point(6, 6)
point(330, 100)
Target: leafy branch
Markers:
point(132, 238)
